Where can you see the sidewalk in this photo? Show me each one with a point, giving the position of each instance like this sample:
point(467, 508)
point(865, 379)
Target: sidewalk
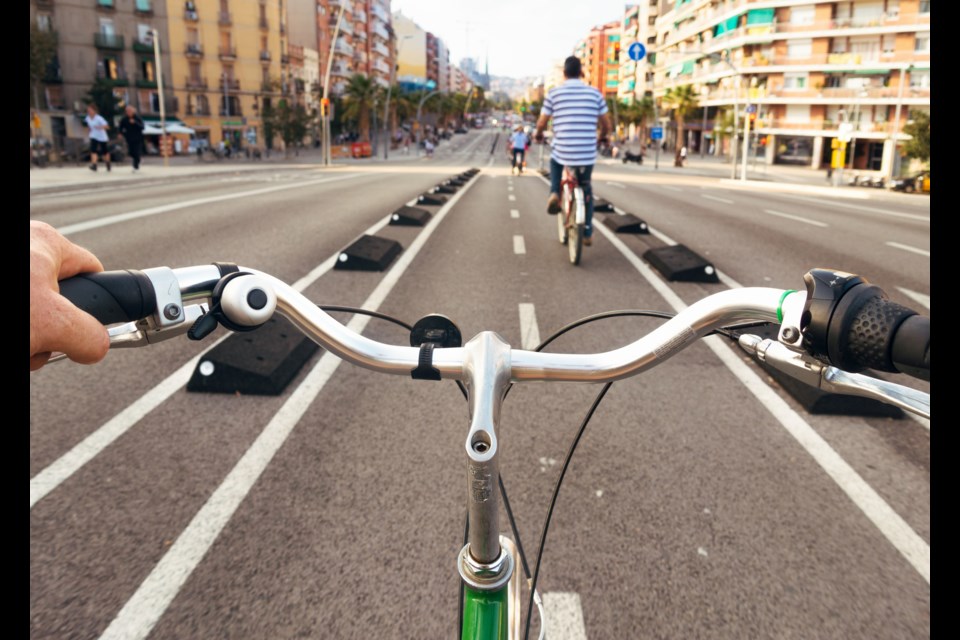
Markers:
point(52, 177)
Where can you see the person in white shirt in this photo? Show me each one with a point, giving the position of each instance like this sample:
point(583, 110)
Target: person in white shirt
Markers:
point(98, 137)
point(519, 141)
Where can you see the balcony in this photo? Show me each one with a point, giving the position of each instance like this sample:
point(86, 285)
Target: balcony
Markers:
point(142, 46)
point(343, 48)
point(379, 47)
point(360, 34)
point(379, 12)
point(228, 53)
point(264, 23)
point(108, 41)
point(380, 31)
point(195, 83)
point(265, 56)
point(225, 19)
point(120, 80)
point(284, 59)
point(44, 4)
point(197, 111)
point(193, 50)
point(230, 84)
point(170, 105)
point(345, 26)
point(146, 83)
point(340, 70)
point(360, 17)
point(235, 111)
point(53, 75)
point(191, 15)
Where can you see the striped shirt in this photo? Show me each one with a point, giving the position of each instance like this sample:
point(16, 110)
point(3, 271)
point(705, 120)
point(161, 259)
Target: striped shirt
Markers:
point(575, 107)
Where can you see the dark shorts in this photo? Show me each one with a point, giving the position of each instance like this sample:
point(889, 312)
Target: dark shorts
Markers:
point(98, 147)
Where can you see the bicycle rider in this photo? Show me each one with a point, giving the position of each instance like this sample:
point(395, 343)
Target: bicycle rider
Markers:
point(519, 141)
point(577, 109)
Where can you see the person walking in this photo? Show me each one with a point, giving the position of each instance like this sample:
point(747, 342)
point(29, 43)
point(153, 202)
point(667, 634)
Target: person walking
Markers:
point(131, 126)
point(577, 109)
point(98, 137)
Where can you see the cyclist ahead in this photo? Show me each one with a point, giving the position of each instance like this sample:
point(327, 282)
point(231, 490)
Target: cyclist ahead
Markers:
point(519, 141)
point(577, 109)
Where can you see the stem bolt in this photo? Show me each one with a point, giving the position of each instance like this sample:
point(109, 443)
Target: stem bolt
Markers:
point(171, 311)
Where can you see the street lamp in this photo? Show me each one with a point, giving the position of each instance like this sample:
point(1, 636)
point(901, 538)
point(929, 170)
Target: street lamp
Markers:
point(893, 165)
point(325, 102)
point(386, 109)
point(163, 113)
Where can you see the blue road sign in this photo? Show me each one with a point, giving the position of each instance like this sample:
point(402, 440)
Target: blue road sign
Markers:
point(637, 51)
point(656, 133)
point(751, 108)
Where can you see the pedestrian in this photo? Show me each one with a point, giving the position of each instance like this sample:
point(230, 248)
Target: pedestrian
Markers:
point(131, 127)
point(98, 137)
point(829, 173)
point(428, 147)
point(683, 155)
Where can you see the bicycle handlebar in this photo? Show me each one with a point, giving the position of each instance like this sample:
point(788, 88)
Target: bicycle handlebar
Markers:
point(841, 320)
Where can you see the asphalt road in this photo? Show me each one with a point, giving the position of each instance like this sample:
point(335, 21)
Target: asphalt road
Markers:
point(704, 501)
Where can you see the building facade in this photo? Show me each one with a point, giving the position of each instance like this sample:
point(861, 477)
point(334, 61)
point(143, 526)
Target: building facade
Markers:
point(639, 25)
point(812, 72)
point(109, 40)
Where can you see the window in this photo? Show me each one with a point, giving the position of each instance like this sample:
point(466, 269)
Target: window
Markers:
point(795, 81)
point(893, 9)
point(193, 36)
point(838, 45)
point(203, 106)
point(920, 79)
point(145, 33)
point(924, 6)
point(802, 15)
point(798, 113)
point(110, 68)
point(868, 48)
point(799, 48)
point(195, 71)
point(887, 44)
point(923, 43)
point(106, 27)
point(142, 5)
point(43, 21)
point(147, 70)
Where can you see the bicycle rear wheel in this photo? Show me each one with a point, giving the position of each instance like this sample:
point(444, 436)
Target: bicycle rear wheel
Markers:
point(566, 203)
point(575, 229)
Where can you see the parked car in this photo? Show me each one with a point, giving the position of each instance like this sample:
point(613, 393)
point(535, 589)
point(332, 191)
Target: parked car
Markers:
point(915, 183)
point(460, 130)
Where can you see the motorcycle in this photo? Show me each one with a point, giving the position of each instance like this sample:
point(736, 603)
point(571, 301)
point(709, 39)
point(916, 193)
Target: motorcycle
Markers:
point(632, 157)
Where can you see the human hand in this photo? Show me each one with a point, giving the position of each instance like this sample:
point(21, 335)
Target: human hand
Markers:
point(56, 324)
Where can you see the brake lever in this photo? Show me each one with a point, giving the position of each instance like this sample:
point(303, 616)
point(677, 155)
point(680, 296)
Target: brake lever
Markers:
point(831, 379)
point(145, 332)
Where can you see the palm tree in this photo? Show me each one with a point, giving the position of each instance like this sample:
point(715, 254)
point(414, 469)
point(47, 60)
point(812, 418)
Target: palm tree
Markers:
point(682, 100)
point(360, 97)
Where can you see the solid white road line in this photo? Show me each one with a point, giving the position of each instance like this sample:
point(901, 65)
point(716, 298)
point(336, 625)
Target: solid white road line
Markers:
point(518, 245)
point(563, 616)
point(883, 212)
point(514, 213)
point(152, 211)
point(815, 223)
point(906, 247)
point(891, 525)
point(139, 615)
point(66, 465)
point(529, 331)
point(617, 184)
point(671, 188)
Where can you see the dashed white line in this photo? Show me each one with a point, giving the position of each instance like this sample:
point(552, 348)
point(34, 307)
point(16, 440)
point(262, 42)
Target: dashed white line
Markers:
point(514, 213)
point(510, 188)
point(529, 331)
point(563, 616)
point(906, 247)
point(518, 246)
point(780, 214)
point(917, 297)
point(909, 216)
point(617, 184)
point(511, 198)
point(709, 197)
point(666, 186)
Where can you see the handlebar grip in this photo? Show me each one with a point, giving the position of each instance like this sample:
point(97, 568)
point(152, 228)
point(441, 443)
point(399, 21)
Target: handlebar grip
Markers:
point(112, 296)
point(854, 326)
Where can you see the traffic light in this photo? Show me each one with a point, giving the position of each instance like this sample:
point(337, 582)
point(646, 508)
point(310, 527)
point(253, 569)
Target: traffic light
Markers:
point(324, 107)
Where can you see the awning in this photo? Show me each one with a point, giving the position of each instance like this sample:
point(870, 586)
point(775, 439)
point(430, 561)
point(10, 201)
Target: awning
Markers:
point(172, 125)
point(728, 25)
point(759, 16)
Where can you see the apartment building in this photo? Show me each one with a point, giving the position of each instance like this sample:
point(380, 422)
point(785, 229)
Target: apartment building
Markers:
point(110, 40)
point(364, 40)
point(599, 55)
point(639, 25)
point(812, 71)
point(229, 59)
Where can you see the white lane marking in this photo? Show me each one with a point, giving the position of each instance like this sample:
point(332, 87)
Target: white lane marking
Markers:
point(514, 213)
point(152, 211)
point(66, 465)
point(906, 247)
point(510, 188)
point(563, 616)
point(139, 615)
point(858, 207)
point(667, 186)
point(709, 197)
point(815, 223)
point(916, 296)
point(518, 246)
point(511, 197)
point(888, 521)
point(529, 331)
point(617, 184)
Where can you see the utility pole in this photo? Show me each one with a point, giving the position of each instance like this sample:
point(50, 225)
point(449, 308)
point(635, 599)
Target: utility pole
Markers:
point(894, 167)
point(163, 113)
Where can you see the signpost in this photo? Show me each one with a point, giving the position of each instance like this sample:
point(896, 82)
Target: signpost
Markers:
point(636, 51)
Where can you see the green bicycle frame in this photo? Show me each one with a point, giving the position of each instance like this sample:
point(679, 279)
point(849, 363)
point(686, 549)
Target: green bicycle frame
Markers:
point(484, 614)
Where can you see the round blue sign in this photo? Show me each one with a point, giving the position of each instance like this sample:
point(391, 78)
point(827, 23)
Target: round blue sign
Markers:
point(637, 51)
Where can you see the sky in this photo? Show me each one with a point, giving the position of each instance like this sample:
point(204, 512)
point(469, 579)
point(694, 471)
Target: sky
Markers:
point(520, 38)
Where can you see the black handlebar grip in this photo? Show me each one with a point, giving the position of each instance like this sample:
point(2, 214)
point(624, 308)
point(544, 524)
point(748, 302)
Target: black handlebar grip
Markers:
point(851, 324)
point(112, 296)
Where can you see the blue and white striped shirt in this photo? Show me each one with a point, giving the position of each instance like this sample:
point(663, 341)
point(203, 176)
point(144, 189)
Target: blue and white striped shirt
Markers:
point(575, 107)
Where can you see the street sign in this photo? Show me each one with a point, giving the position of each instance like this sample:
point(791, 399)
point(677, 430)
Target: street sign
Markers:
point(751, 108)
point(431, 84)
point(636, 51)
point(656, 133)
point(845, 131)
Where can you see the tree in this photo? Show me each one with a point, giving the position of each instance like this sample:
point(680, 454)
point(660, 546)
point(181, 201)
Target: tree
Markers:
point(918, 128)
point(360, 97)
point(43, 52)
point(290, 122)
point(723, 126)
point(682, 99)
